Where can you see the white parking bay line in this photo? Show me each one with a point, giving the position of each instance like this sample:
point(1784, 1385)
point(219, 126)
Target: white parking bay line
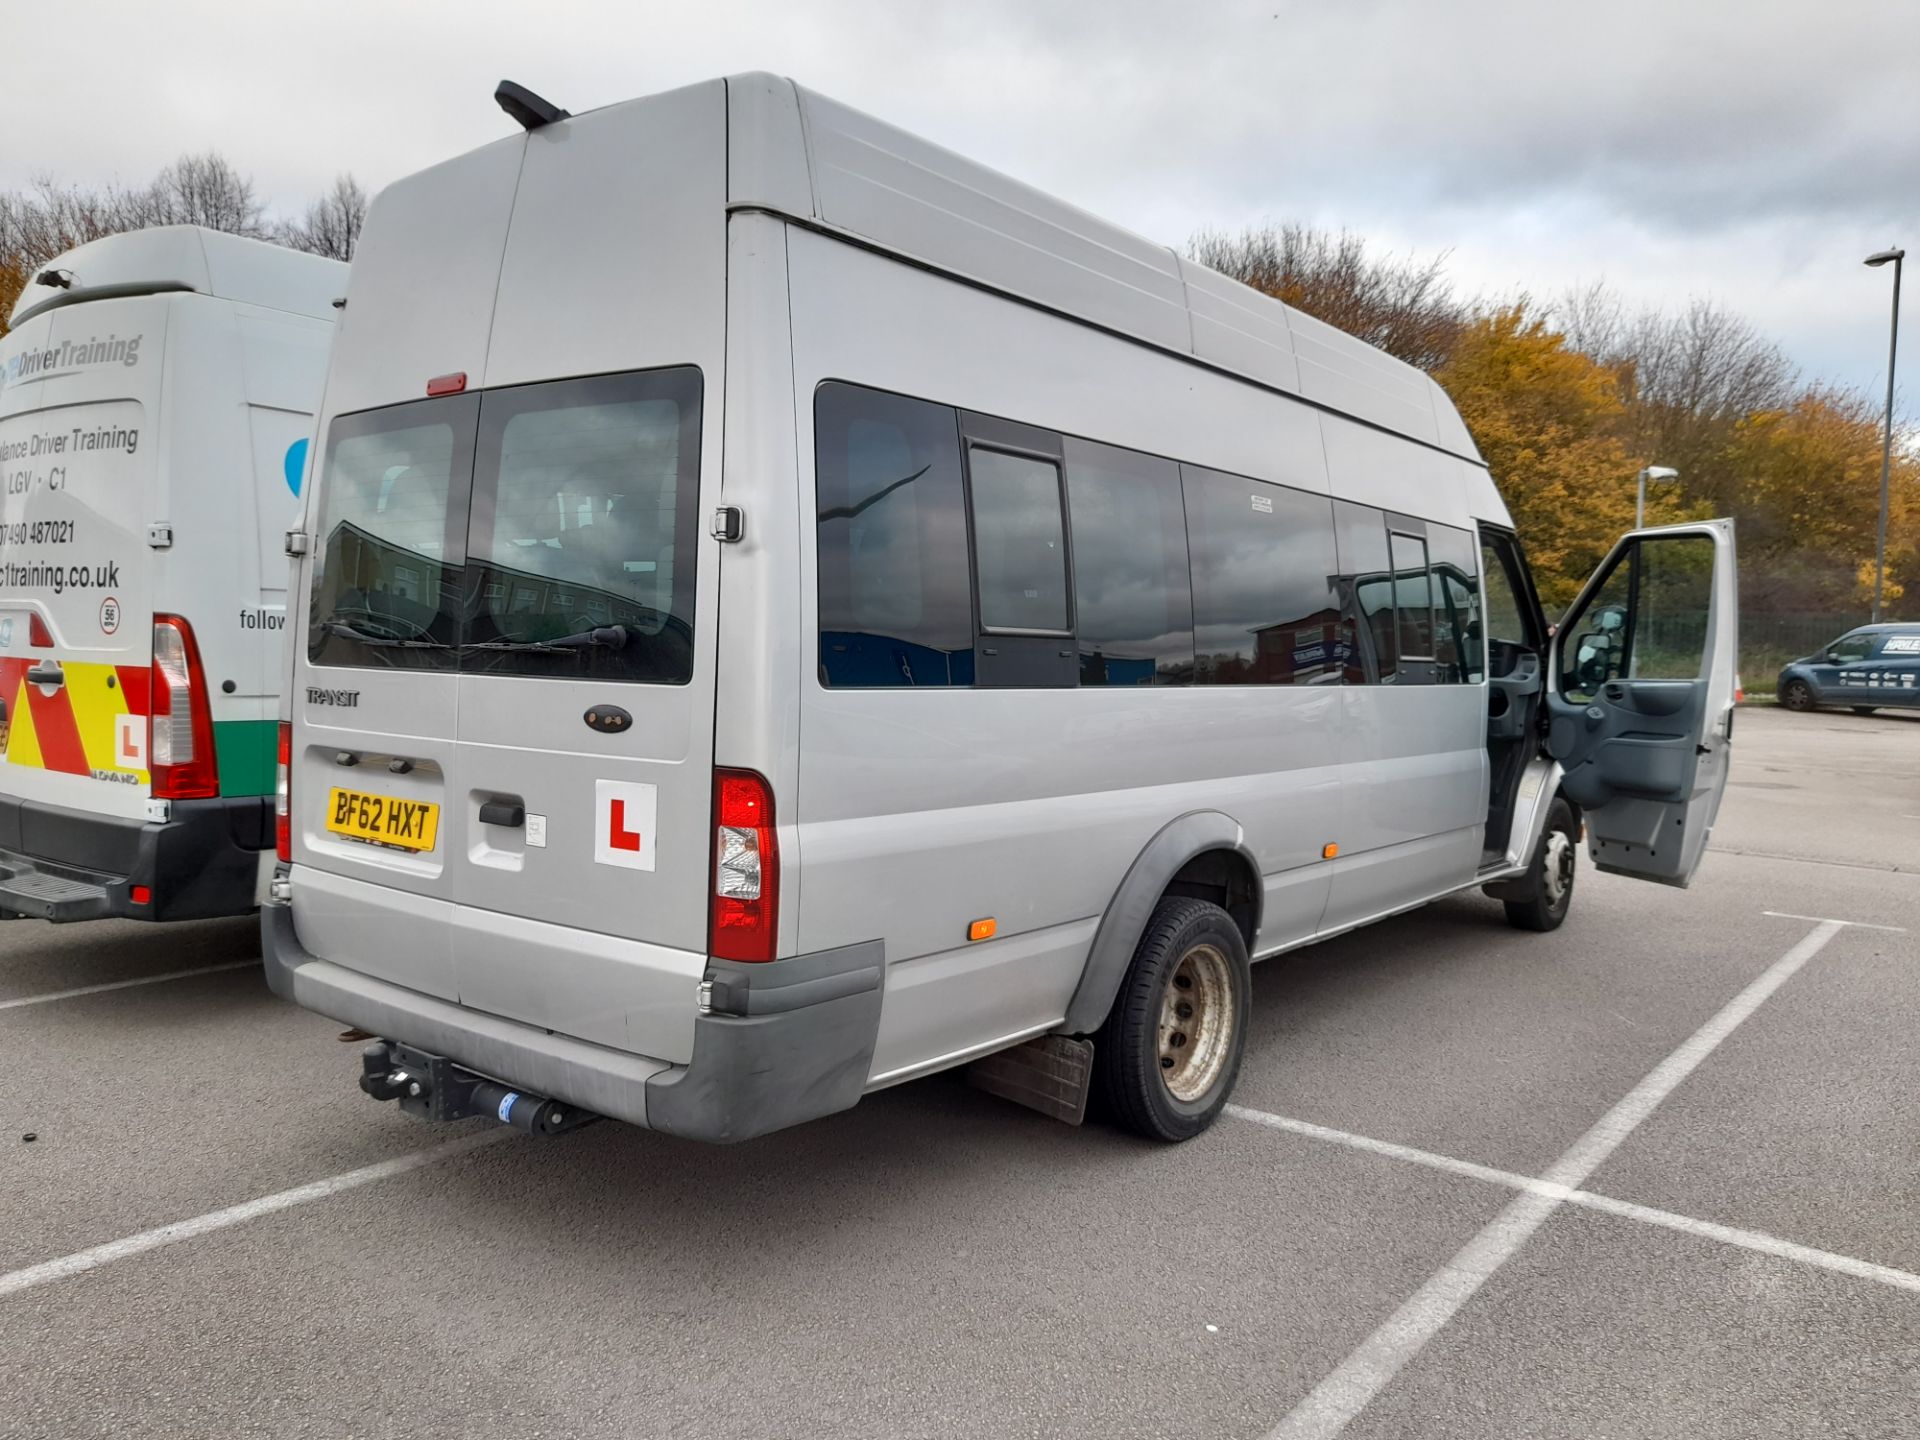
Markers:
point(1342, 1395)
point(53, 995)
point(84, 1260)
point(1755, 1240)
point(1824, 920)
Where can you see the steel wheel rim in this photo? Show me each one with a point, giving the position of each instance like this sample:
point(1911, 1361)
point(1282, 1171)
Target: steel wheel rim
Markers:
point(1197, 1017)
point(1799, 695)
point(1558, 870)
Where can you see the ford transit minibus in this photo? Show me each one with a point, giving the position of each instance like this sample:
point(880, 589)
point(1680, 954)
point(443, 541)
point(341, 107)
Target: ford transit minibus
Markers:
point(784, 610)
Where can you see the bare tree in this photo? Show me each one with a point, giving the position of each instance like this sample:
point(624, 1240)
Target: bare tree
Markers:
point(331, 226)
point(1404, 305)
point(206, 190)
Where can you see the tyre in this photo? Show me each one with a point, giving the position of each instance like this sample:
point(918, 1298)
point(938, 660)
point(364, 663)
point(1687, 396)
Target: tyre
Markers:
point(1166, 1058)
point(1796, 695)
point(1863, 709)
point(1549, 879)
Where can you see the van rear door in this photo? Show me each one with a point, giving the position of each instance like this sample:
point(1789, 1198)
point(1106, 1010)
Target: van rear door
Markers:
point(1640, 694)
point(77, 473)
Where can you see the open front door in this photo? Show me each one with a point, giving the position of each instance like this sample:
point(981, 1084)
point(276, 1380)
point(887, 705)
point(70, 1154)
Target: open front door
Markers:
point(1640, 695)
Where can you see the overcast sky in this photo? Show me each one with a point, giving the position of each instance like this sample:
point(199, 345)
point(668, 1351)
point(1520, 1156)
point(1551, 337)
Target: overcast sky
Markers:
point(1751, 151)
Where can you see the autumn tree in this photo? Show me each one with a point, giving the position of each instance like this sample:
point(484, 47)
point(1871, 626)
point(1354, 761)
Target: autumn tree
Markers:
point(1404, 305)
point(1548, 420)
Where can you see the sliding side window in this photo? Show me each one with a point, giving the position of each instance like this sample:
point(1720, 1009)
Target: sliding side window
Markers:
point(1020, 560)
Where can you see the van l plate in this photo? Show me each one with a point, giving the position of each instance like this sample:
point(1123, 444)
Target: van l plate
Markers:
point(382, 819)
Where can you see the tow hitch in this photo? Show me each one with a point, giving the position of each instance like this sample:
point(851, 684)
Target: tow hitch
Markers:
point(434, 1088)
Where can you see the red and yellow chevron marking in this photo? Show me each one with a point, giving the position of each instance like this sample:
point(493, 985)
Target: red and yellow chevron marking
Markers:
point(71, 727)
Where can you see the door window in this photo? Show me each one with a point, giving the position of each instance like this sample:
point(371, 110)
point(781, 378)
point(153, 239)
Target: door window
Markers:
point(1850, 650)
point(536, 530)
point(582, 541)
point(1458, 643)
point(389, 571)
point(1646, 620)
point(1412, 596)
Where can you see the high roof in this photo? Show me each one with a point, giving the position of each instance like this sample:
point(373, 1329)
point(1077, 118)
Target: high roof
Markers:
point(801, 154)
point(187, 257)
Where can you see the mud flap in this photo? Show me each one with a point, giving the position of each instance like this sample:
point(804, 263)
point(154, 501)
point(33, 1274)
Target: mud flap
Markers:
point(1050, 1074)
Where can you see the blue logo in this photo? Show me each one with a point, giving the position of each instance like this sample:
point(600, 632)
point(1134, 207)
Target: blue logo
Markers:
point(295, 465)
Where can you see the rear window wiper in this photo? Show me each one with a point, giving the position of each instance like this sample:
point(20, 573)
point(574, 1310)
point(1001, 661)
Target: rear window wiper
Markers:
point(610, 637)
point(353, 632)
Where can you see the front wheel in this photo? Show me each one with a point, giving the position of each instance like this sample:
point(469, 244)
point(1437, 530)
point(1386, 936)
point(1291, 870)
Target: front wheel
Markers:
point(1549, 879)
point(1796, 695)
point(1166, 1059)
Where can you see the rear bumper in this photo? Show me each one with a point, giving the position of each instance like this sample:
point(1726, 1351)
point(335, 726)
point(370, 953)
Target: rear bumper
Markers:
point(785, 1042)
point(59, 864)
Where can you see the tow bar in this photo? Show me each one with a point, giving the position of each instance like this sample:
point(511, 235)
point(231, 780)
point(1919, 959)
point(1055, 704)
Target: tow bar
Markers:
point(434, 1088)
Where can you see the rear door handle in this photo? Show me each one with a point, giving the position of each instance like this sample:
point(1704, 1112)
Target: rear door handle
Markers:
point(47, 672)
point(508, 814)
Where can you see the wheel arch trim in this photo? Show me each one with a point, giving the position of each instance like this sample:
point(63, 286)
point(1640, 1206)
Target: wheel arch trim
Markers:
point(1179, 841)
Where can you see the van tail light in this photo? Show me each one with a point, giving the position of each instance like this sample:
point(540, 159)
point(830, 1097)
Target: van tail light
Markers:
point(37, 632)
point(180, 724)
point(746, 868)
point(283, 795)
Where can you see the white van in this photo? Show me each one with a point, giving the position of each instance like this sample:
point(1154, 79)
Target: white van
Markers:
point(787, 610)
point(157, 392)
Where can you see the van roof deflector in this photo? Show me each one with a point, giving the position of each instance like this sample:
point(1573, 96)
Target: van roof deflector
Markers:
point(529, 109)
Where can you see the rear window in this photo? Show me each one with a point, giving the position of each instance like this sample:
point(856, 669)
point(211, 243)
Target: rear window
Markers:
point(539, 530)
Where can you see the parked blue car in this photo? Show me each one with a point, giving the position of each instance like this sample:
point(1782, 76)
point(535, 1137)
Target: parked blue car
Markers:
point(1867, 668)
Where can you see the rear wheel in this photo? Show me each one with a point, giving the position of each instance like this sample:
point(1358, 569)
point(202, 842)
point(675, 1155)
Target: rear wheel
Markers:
point(1166, 1059)
point(1549, 880)
point(1797, 695)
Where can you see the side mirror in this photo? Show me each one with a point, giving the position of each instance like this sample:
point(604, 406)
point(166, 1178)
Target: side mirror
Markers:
point(1592, 652)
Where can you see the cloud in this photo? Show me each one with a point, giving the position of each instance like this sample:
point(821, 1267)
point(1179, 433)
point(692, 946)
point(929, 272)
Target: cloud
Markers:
point(1750, 149)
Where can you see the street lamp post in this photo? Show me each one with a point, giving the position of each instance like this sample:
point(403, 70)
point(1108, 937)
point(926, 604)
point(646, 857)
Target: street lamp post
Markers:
point(1881, 257)
point(1652, 472)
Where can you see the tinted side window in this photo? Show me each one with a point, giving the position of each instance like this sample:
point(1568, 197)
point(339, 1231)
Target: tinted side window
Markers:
point(1133, 600)
point(1852, 648)
point(1264, 607)
point(1020, 543)
point(896, 604)
point(1369, 651)
point(1458, 639)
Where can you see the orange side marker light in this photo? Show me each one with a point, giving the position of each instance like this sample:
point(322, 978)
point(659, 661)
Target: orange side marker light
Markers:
point(1329, 851)
point(983, 929)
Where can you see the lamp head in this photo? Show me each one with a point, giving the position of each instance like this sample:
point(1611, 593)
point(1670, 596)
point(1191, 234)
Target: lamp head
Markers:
point(1659, 472)
point(1881, 257)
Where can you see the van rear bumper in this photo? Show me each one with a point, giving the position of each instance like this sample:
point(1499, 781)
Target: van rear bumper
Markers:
point(59, 864)
point(784, 1042)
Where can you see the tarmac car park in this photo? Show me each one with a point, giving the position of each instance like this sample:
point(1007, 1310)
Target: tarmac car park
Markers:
point(196, 1246)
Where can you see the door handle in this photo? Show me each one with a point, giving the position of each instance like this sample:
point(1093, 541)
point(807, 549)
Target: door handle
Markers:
point(47, 672)
point(507, 814)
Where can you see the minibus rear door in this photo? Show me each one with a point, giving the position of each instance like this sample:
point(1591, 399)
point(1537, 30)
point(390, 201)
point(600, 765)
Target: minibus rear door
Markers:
point(1640, 697)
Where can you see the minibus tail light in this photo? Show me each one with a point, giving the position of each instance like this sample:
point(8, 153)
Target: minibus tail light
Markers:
point(283, 794)
point(746, 868)
point(180, 723)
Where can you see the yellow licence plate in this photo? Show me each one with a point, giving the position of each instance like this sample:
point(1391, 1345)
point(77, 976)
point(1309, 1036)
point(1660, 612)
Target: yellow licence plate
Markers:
point(383, 820)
